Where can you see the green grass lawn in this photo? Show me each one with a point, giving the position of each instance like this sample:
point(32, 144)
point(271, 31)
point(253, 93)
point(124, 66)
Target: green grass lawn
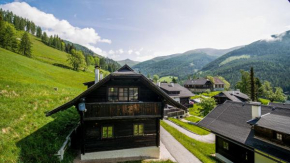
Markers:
point(168, 79)
point(196, 110)
point(202, 151)
point(190, 127)
point(26, 93)
point(193, 119)
point(264, 101)
point(211, 94)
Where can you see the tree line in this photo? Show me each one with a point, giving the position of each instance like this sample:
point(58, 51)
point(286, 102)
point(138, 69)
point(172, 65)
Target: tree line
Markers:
point(76, 58)
point(252, 86)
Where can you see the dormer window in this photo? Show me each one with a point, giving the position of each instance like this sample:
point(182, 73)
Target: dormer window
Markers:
point(122, 94)
point(279, 136)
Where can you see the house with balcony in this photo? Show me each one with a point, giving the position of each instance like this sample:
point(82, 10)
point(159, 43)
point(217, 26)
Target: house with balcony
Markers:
point(250, 132)
point(200, 85)
point(179, 94)
point(119, 116)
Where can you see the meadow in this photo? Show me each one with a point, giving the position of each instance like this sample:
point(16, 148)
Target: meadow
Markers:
point(28, 89)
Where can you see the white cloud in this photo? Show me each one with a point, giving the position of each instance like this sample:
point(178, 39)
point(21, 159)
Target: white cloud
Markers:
point(137, 52)
point(121, 51)
point(111, 52)
point(84, 36)
point(130, 51)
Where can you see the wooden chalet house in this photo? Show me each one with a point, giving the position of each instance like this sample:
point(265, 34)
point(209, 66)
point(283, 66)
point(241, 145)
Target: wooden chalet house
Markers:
point(250, 132)
point(119, 116)
point(203, 84)
point(179, 94)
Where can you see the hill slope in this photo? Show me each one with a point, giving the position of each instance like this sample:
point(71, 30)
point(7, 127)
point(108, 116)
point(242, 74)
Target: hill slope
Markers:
point(177, 65)
point(270, 59)
point(181, 64)
point(129, 62)
point(27, 91)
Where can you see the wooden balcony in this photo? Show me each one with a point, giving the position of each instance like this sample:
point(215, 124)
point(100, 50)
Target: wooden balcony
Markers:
point(122, 110)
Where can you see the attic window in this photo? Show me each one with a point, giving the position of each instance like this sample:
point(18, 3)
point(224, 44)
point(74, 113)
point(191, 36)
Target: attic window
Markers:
point(279, 136)
point(225, 145)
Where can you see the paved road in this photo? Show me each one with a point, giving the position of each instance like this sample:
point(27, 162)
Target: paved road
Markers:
point(177, 150)
point(210, 138)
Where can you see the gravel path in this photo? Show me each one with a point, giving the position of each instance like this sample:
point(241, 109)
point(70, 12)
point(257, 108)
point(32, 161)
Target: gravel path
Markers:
point(177, 150)
point(210, 138)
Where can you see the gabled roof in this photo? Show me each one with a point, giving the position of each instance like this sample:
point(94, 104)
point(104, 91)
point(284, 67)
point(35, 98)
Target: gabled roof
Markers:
point(233, 95)
point(183, 92)
point(199, 81)
point(217, 80)
point(278, 120)
point(124, 71)
point(230, 121)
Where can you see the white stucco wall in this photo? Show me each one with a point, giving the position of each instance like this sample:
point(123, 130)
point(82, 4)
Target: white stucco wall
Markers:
point(144, 152)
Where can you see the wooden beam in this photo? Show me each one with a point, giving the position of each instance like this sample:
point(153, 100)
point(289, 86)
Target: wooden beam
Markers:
point(122, 117)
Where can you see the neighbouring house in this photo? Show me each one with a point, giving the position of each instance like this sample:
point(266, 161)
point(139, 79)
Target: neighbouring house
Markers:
point(281, 105)
point(119, 116)
point(236, 96)
point(203, 84)
point(250, 132)
point(179, 94)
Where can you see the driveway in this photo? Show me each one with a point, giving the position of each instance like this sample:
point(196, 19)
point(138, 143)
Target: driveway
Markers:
point(177, 150)
point(210, 138)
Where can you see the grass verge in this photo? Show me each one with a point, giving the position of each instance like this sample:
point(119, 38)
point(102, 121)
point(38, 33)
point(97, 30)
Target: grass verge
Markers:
point(201, 150)
point(190, 127)
point(193, 119)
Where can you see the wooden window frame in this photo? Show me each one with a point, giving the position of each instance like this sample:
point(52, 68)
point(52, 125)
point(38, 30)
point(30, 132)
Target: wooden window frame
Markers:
point(107, 132)
point(279, 136)
point(138, 129)
point(226, 145)
point(118, 96)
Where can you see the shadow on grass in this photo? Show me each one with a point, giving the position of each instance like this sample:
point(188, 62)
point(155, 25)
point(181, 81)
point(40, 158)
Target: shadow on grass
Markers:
point(43, 144)
point(62, 66)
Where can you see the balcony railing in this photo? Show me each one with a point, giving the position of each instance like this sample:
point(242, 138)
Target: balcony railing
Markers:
point(120, 109)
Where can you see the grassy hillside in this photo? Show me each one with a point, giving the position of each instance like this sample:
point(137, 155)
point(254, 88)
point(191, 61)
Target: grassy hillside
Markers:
point(168, 79)
point(270, 59)
point(177, 65)
point(26, 93)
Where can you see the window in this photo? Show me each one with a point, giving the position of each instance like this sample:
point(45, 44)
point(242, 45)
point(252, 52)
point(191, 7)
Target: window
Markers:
point(122, 94)
point(107, 132)
point(113, 94)
point(279, 136)
point(138, 129)
point(226, 145)
point(133, 94)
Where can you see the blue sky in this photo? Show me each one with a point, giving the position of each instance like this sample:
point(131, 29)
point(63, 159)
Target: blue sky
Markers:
point(141, 30)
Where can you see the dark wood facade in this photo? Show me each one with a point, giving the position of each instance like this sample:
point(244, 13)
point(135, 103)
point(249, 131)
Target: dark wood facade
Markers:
point(271, 135)
point(234, 152)
point(121, 111)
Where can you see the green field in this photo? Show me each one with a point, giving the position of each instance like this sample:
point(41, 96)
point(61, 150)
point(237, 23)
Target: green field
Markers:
point(190, 127)
point(193, 119)
point(167, 79)
point(27, 91)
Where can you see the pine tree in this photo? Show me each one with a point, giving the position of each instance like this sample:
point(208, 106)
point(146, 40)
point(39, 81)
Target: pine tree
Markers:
point(25, 45)
point(38, 32)
point(32, 28)
point(253, 93)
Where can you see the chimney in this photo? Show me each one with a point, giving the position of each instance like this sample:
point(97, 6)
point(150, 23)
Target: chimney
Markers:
point(97, 72)
point(172, 84)
point(101, 76)
point(256, 110)
point(158, 83)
